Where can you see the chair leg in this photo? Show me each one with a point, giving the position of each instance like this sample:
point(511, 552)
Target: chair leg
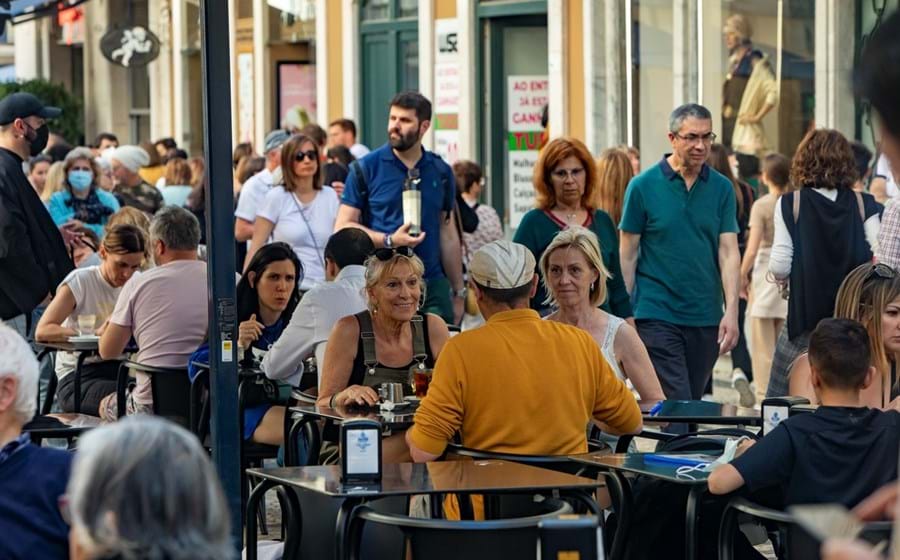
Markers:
point(726, 533)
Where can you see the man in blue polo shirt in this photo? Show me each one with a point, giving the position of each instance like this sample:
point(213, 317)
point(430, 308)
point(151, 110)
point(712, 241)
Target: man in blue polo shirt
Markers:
point(372, 201)
point(681, 215)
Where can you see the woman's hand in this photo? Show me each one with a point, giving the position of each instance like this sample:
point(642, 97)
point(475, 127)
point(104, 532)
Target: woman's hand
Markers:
point(249, 332)
point(356, 394)
point(745, 288)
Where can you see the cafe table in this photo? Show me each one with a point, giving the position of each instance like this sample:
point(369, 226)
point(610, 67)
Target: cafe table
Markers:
point(635, 463)
point(396, 420)
point(700, 412)
point(410, 479)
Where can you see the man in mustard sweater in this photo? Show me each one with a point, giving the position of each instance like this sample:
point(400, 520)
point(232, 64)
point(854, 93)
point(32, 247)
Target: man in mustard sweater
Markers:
point(518, 384)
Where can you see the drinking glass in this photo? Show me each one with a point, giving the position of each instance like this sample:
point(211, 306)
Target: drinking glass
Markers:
point(421, 381)
point(86, 324)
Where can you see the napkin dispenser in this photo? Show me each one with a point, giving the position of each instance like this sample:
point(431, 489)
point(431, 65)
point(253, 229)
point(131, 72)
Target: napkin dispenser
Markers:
point(777, 409)
point(360, 451)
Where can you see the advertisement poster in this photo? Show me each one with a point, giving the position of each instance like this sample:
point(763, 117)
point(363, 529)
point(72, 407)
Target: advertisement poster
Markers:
point(296, 94)
point(245, 97)
point(525, 100)
point(446, 90)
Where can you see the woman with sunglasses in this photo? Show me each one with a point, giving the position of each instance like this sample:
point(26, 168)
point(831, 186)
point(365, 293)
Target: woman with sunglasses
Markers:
point(85, 292)
point(565, 181)
point(299, 212)
point(384, 343)
point(870, 294)
point(81, 200)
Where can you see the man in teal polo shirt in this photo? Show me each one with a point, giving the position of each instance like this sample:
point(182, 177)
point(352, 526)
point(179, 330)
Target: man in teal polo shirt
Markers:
point(372, 201)
point(681, 214)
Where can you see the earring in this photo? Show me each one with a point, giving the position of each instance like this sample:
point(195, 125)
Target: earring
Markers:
point(375, 308)
point(592, 286)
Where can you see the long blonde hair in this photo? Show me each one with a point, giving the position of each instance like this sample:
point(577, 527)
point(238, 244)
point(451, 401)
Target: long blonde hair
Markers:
point(56, 180)
point(863, 296)
point(614, 172)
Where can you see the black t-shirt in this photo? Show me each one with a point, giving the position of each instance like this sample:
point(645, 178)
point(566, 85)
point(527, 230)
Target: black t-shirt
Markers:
point(837, 454)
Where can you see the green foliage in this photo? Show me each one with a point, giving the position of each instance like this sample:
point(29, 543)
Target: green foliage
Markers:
point(70, 123)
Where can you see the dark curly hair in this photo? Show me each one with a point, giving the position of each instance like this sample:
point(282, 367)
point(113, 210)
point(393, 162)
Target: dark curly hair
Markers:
point(824, 160)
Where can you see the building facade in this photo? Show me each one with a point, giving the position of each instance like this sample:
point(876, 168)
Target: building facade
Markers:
point(609, 71)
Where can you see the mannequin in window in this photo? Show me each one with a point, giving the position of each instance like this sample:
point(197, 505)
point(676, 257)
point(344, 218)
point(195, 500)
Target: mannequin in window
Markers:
point(750, 92)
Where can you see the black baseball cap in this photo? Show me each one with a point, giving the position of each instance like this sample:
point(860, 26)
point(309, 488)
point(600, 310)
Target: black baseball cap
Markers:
point(20, 105)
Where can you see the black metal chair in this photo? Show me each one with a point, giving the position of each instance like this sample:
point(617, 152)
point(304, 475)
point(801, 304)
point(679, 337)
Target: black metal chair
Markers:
point(437, 539)
point(170, 389)
point(789, 540)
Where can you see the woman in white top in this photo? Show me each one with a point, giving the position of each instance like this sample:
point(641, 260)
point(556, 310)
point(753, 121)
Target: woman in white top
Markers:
point(300, 211)
point(575, 278)
point(91, 291)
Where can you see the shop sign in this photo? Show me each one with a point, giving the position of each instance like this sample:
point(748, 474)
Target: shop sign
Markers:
point(446, 89)
point(130, 46)
point(526, 97)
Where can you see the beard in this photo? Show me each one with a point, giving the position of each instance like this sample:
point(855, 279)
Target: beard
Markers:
point(405, 141)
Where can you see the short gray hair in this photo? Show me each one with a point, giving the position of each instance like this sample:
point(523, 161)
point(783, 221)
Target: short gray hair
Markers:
point(145, 488)
point(18, 361)
point(687, 111)
point(177, 228)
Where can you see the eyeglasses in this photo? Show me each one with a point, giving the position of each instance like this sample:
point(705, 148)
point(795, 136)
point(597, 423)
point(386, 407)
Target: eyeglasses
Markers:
point(881, 270)
point(385, 254)
point(707, 138)
point(563, 174)
point(311, 155)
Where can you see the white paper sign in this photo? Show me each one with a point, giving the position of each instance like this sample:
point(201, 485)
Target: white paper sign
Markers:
point(362, 451)
point(520, 194)
point(526, 97)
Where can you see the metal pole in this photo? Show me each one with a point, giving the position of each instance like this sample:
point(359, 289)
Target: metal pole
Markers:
point(220, 251)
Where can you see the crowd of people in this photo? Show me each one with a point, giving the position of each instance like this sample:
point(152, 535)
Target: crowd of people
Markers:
point(621, 288)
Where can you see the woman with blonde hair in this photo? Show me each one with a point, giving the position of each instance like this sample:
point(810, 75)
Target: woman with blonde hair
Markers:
point(870, 295)
point(55, 181)
point(575, 278)
point(614, 171)
point(177, 184)
point(386, 341)
point(565, 182)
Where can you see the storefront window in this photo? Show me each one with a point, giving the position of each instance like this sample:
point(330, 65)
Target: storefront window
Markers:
point(375, 9)
point(652, 79)
point(292, 21)
point(758, 74)
point(408, 8)
point(292, 25)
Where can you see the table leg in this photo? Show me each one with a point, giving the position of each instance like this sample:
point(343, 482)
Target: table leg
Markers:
point(252, 505)
point(690, 522)
point(342, 529)
point(77, 373)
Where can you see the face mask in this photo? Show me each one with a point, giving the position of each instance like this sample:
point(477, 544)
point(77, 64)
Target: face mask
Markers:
point(39, 139)
point(727, 456)
point(80, 179)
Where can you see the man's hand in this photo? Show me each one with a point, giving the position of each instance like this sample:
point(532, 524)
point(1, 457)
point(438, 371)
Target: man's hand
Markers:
point(338, 187)
point(402, 238)
point(879, 506)
point(728, 332)
point(846, 549)
point(743, 446)
point(71, 238)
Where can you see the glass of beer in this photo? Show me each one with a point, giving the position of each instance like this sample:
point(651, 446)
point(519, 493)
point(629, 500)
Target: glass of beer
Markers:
point(86, 324)
point(421, 381)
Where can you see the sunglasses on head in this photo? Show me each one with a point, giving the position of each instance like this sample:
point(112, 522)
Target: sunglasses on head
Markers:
point(881, 270)
point(386, 254)
point(312, 155)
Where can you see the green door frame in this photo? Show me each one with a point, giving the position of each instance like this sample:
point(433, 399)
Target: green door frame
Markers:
point(492, 20)
point(395, 30)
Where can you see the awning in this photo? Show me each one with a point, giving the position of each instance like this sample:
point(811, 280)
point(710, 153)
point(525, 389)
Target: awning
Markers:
point(20, 11)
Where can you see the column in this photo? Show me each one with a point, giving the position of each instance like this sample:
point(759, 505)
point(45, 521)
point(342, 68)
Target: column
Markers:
point(556, 67)
point(105, 108)
point(835, 46)
point(350, 58)
point(604, 74)
point(262, 76)
point(426, 59)
point(468, 33)
point(684, 52)
point(322, 59)
point(160, 71)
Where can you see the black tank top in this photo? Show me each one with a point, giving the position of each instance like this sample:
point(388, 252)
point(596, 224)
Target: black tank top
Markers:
point(358, 375)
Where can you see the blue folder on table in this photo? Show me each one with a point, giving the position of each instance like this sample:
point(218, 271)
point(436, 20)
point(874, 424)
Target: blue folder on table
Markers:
point(692, 459)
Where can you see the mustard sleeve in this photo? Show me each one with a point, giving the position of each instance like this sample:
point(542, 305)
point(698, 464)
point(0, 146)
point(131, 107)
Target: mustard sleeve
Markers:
point(613, 402)
point(441, 412)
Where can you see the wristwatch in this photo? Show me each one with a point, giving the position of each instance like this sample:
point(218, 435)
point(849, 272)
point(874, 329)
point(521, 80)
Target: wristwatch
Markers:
point(460, 293)
point(388, 242)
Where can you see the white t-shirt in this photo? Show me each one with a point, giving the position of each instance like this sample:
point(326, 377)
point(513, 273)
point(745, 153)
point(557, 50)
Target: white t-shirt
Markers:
point(883, 168)
point(252, 194)
point(358, 150)
point(305, 227)
point(93, 296)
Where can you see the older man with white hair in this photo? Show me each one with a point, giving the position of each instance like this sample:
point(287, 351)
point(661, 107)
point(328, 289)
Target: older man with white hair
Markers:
point(130, 189)
point(32, 478)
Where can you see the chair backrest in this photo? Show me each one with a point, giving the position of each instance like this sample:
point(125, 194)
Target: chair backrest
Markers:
point(551, 462)
point(171, 390)
point(436, 539)
point(708, 441)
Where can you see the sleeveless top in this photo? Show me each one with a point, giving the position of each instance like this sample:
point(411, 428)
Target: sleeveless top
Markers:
point(366, 369)
point(607, 348)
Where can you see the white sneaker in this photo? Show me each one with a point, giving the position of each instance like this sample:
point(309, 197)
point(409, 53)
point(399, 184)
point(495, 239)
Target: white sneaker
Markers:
point(708, 397)
point(742, 386)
